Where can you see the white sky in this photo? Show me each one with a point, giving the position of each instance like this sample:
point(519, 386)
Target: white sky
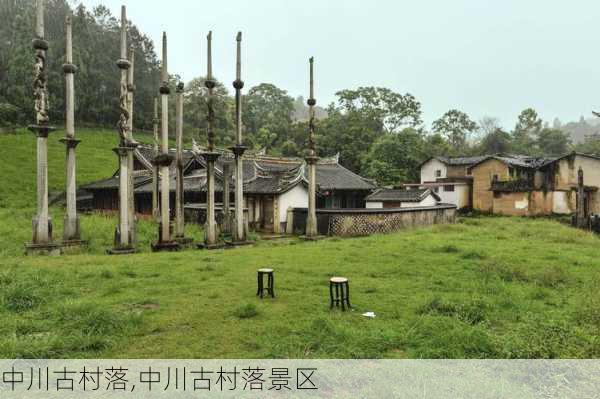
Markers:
point(485, 57)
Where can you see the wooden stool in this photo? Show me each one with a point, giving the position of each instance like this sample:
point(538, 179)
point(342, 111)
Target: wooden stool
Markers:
point(270, 282)
point(342, 292)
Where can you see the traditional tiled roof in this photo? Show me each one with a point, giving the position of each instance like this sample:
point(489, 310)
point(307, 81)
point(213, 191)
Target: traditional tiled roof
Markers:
point(456, 161)
point(262, 174)
point(520, 161)
point(389, 194)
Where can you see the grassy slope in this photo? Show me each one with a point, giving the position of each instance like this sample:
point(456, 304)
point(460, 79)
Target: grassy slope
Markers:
point(95, 161)
point(486, 287)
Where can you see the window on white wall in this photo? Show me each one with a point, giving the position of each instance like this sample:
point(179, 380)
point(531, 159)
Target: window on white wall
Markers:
point(438, 173)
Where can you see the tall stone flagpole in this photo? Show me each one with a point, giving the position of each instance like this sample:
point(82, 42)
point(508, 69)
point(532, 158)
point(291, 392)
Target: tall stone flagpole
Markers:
point(210, 228)
point(130, 186)
point(239, 232)
point(71, 227)
point(179, 189)
point(42, 225)
point(155, 209)
point(164, 160)
point(123, 235)
point(311, 161)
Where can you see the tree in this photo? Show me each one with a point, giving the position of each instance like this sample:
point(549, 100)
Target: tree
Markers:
point(553, 141)
point(350, 134)
point(590, 145)
point(497, 141)
point(196, 112)
point(395, 158)
point(95, 50)
point(393, 110)
point(456, 126)
point(526, 131)
point(267, 108)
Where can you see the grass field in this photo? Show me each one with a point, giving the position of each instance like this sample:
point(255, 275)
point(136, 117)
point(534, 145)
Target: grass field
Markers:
point(485, 287)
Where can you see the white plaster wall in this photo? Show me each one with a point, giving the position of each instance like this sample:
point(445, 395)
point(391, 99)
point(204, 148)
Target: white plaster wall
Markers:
point(463, 194)
point(560, 202)
point(459, 197)
point(374, 205)
point(428, 170)
point(427, 201)
point(297, 197)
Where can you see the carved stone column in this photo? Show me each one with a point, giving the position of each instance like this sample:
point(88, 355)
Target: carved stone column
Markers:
point(311, 161)
point(42, 243)
point(179, 189)
point(238, 228)
point(71, 226)
point(225, 203)
point(124, 243)
point(130, 168)
point(211, 234)
point(155, 208)
point(164, 161)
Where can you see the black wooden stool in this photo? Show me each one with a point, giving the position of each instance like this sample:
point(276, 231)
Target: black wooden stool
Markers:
point(270, 283)
point(342, 292)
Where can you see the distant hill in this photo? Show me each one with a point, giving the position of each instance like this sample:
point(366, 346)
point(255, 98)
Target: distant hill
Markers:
point(301, 110)
point(580, 129)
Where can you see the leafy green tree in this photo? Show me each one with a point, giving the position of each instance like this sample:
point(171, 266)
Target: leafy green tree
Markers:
point(437, 145)
point(456, 126)
point(526, 131)
point(196, 111)
point(497, 141)
point(590, 145)
point(269, 108)
point(395, 158)
point(553, 141)
point(95, 50)
point(393, 110)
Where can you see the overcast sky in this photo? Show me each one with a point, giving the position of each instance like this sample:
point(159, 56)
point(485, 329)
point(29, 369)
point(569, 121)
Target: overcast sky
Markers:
point(485, 57)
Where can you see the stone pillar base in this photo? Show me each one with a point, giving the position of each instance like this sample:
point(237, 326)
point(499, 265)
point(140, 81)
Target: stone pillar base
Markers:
point(184, 241)
point(234, 243)
point(121, 251)
point(165, 246)
point(312, 238)
point(210, 246)
point(51, 249)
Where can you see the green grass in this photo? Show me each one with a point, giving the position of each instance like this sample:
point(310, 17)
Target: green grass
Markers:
point(486, 287)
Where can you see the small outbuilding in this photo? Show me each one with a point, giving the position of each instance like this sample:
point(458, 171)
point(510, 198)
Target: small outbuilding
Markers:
point(402, 198)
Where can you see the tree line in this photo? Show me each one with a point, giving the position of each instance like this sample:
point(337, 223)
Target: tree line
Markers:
point(379, 133)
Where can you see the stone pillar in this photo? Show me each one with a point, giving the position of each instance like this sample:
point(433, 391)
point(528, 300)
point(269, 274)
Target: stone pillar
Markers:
point(42, 225)
point(210, 228)
point(311, 161)
point(71, 227)
point(164, 160)
point(179, 189)
point(123, 234)
point(226, 204)
point(238, 228)
point(155, 208)
point(130, 168)
point(581, 217)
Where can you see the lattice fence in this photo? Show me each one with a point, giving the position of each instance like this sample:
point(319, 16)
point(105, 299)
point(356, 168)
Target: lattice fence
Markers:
point(377, 223)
